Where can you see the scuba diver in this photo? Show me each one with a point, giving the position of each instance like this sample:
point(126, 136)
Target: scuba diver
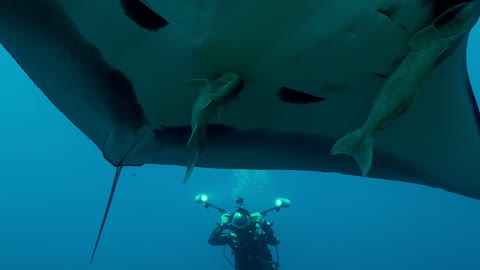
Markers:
point(249, 235)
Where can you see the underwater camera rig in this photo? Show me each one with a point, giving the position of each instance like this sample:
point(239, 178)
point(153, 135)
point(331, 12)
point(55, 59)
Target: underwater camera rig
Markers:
point(279, 203)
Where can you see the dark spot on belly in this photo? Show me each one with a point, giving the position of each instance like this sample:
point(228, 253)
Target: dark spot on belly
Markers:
point(143, 15)
point(297, 97)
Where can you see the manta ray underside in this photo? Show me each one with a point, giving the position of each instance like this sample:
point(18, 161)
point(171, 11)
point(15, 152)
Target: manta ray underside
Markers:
point(311, 72)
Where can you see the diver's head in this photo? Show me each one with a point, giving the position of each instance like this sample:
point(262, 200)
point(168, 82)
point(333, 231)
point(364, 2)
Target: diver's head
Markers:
point(239, 203)
point(241, 219)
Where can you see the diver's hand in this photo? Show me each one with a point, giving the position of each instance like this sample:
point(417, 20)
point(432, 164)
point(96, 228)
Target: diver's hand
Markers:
point(257, 217)
point(225, 218)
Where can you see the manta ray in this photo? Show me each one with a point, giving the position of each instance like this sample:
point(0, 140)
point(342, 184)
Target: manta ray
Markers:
point(366, 88)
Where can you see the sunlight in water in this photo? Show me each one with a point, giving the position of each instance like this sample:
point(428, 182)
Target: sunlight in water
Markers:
point(248, 180)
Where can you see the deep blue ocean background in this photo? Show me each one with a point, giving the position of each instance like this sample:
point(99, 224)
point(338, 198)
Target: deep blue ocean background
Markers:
point(55, 184)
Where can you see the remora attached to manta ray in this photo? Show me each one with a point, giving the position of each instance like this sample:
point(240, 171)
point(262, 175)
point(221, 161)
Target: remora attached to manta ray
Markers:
point(214, 93)
point(311, 68)
point(428, 47)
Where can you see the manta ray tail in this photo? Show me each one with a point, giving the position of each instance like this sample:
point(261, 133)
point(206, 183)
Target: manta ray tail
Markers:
point(115, 181)
point(190, 167)
point(357, 146)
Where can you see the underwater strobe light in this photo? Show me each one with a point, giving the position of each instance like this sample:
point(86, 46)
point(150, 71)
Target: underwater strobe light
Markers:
point(201, 198)
point(282, 202)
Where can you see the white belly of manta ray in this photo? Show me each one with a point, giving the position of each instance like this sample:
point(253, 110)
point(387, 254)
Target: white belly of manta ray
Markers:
point(289, 42)
point(212, 35)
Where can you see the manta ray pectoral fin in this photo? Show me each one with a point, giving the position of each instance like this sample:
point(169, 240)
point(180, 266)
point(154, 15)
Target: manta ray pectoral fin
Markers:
point(357, 146)
point(190, 167)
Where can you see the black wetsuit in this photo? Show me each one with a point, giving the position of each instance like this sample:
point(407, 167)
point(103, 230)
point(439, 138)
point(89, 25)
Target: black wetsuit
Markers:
point(249, 246)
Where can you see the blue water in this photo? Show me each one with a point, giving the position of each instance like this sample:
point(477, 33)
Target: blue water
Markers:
point(55, 184)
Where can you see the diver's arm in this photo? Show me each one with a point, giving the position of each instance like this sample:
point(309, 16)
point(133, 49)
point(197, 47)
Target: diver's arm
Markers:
point(217, 238)
point(272, 239)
